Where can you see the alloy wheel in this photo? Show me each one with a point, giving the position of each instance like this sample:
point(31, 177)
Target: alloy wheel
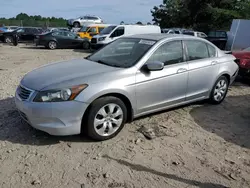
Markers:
point(108, 119)
point(52, 45)
point(220, 90)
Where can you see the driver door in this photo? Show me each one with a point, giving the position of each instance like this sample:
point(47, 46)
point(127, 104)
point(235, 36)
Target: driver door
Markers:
point(157, 90)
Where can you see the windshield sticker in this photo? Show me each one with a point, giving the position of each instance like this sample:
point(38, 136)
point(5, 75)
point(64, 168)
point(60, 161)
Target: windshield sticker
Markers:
point(148, 42)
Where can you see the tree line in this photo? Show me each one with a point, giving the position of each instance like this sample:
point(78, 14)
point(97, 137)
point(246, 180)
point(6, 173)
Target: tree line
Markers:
point(24, 19)
point(202, 15)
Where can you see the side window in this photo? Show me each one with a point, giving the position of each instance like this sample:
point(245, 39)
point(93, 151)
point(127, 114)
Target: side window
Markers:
point(118, 32)
point(55, 33)
point(169, 53)
point(211, 51)
point(92, 30)
point(203, 35)
point(28, 30)
point(20, 30)
point(100, 29)
point(93, 18)
point(71, 35)
point(196, 50)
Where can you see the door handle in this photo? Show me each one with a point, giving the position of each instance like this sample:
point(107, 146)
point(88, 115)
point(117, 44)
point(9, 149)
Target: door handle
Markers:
point(214, 62)
point(181, 70)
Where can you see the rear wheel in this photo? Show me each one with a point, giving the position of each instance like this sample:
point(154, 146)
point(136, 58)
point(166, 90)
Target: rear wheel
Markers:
point(106, 118)
point(52, 45)
point(8, 39)
point(219, 90)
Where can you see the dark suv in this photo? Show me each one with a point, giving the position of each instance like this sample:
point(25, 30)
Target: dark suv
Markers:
point(25, 34)
point(218, 38)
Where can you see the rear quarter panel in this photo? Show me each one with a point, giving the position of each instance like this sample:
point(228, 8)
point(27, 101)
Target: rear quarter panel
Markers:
point(228, 66)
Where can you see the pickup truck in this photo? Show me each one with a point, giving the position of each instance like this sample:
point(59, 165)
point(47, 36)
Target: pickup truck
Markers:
point(218, 38)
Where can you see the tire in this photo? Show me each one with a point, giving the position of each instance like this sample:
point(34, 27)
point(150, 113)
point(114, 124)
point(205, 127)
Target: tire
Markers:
point(219, 90)
point(8, 39)
point(86, 45)
point(52, 45)
point(76, 24)
point(101, 131)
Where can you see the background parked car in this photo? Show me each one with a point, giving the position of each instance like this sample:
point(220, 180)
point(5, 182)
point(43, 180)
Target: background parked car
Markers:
point(218, 38)
point(173, 30)
point(83, 20)
point(113, 32)
point(25, 34)
point(195, 33)
point(3, 29)
point(87, 32)
point(167, 31)
point(11, 28)
point(59, 39)
point(243, 60)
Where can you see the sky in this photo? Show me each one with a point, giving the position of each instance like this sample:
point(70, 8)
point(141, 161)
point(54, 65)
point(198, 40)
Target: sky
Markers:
point(111, 11)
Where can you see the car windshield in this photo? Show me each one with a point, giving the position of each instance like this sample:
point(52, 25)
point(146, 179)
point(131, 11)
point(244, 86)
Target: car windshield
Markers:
point(84, 29)
point(124, 52)
point(107, 30)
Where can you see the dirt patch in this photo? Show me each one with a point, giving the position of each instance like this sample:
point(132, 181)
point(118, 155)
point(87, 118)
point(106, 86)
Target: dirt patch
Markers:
point(199, 145)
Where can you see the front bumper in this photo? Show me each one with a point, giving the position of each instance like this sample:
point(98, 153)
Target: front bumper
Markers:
point(56, 118)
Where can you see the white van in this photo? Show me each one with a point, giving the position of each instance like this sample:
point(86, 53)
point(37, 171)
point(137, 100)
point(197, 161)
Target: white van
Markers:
point(113, 32)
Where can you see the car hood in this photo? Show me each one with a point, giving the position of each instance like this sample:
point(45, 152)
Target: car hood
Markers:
point(65, 74)
point(100, 35)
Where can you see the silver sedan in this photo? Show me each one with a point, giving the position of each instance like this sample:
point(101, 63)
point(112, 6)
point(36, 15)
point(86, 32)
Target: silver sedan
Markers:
point(131, 77)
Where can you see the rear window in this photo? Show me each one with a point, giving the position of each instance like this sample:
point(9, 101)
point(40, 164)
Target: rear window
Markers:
point(222, 34)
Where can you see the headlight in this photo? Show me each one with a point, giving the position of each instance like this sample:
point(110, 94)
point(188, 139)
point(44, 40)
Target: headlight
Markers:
point(59, 95)
point(101, 38)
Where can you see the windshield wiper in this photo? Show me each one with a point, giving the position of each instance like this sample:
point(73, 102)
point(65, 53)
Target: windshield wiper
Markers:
point(105, 63)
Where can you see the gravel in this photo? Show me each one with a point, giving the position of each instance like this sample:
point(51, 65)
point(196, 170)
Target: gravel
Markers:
point(199, 145)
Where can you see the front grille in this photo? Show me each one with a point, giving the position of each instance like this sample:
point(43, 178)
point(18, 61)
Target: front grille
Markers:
point(94, 40)
point(24, 93)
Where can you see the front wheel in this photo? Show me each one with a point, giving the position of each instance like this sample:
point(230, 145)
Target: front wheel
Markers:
point(52, 45)
point(76, 24)
point(86, 45)
point(219, 90)
point(106, 118)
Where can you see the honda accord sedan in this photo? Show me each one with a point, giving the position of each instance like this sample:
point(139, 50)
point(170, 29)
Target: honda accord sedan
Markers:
point(131, 77)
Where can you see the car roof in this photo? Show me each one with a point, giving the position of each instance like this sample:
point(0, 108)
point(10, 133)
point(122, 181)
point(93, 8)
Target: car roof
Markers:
point(161, 36)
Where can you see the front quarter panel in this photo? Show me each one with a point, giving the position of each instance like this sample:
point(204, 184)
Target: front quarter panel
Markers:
point(124, 85)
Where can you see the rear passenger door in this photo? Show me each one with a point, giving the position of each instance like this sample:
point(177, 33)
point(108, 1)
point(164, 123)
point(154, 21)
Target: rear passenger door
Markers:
point(203, 68)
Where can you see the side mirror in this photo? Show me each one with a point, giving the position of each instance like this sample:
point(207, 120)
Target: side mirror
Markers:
point(155, 66)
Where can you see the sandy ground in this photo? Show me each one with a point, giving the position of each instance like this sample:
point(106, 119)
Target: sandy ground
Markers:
point(196, 146)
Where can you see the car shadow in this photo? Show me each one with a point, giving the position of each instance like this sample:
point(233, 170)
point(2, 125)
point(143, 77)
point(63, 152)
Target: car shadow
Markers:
point(82, 51)
point(33, 47)
point(140, 168)
point(230, 120)
point(15, 130)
